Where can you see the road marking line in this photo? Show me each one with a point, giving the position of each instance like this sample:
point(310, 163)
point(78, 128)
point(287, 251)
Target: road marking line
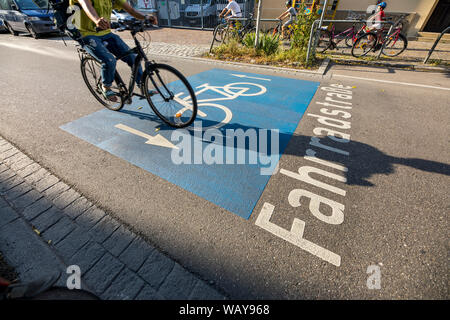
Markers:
point(392, 82)
point(51, 52)
point(157, 140)
point(245, 76)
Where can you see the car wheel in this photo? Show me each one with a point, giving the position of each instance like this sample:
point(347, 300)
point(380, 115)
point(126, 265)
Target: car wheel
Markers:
point(32, 32)
point(14, 33)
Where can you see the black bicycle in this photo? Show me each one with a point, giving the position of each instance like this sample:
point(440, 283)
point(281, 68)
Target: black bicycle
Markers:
point(162, 85)
point(228, 29)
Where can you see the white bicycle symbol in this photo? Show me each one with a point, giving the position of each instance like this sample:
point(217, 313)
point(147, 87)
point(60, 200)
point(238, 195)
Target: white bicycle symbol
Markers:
point(230, 91)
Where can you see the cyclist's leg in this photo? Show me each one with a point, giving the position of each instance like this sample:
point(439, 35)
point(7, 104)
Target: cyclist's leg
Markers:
point(95, 47)
point(285, 26)
point(118, 47)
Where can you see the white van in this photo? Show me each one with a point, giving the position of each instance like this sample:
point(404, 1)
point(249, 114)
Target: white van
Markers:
point(193, 13)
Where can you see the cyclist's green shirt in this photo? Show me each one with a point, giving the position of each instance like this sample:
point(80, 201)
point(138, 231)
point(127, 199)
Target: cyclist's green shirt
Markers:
point(103, 8)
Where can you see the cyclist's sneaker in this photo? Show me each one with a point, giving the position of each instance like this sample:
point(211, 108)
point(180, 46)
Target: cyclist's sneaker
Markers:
point(109, 95)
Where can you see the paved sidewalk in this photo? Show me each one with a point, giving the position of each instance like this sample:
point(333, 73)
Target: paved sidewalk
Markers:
point(45, 226)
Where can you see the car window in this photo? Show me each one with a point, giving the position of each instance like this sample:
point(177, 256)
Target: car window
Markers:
point(27, 5)
point(5, 5)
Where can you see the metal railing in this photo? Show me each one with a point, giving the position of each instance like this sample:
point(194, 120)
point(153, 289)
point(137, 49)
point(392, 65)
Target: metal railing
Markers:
point(315, 33)
point(435, 44)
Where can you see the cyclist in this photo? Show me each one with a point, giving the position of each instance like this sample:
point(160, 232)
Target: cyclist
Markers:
point(97, 38)
point(376, 20)
point(291, 12)
point(232, 8)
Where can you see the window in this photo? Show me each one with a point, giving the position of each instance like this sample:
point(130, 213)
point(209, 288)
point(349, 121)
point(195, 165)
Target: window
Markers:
point(5, 5)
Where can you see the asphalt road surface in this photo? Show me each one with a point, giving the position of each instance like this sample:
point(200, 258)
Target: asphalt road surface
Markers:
point(363, 216)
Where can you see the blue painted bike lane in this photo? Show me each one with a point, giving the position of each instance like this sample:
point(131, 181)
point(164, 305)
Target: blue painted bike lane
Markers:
point(229, 102)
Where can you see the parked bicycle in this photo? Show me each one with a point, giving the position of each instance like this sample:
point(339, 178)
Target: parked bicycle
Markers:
point(329, 40)
point(227, 29)
point(391, 44)
point(160, 83)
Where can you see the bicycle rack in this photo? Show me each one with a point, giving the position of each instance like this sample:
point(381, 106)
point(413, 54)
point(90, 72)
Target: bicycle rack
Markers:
point(238, 19)
point(315, 33)
point(435, 44)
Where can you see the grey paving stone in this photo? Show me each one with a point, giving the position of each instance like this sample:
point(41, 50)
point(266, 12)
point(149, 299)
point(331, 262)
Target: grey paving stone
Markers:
point(37, 176)
point(46, 182)
point(77, 207)
point(103, 229)
point(47, 219)
point(119, 241)
point(54, 191)
point(125, 287)
point(27, 199)
point(3, 167)
point(32, 168)
point(8, 153)
point(3, 203)
point(90, 218)
point(5, 175)
point(21, 164)
point(203, 291)
point(66, 198)
point(136, 253)
point(17, 191)
point(26, 252)
point(7, 214)
point(178, 285)
point(87, 256)
point(156, 268)
point(10, 161)
point(10, 183)
point(74, 241)
point(5, 147)
point(148, 293)
point(101, 275)
point(36, 208)
point(59, 230)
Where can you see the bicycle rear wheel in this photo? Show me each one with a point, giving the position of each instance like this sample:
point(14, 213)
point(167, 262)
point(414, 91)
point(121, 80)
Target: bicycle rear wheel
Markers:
point(364, 44)
point(395, 45)
point(170, 95)
point(91, 72)
point(324, 41)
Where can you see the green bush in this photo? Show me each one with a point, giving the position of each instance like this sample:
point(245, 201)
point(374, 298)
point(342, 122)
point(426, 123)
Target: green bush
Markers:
point(302, 29)
point(267, 43)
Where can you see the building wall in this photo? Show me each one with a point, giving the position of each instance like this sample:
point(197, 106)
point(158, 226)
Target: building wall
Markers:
point(417, 21)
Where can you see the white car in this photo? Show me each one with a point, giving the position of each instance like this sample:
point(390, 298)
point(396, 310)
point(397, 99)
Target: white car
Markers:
point(120, 16)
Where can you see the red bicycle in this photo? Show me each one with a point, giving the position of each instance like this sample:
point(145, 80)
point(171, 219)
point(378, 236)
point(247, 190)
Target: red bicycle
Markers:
point(391, 44)
point(330, 40)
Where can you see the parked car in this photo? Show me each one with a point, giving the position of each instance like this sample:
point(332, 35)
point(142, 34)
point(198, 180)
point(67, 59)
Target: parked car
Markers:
point(26, 16)
point(120, 16)
point(2, 27)
point(193, 13)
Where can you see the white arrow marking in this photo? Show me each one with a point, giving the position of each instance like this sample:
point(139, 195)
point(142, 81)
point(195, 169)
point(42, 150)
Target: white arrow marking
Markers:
point(157, 140)
point(244, 76)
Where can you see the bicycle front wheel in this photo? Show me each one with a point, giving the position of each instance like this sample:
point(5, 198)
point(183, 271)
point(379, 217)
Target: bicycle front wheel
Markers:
point(395, 45)
point(364, 44)
point(218, 33)
point(91, 72)
point(170, 95)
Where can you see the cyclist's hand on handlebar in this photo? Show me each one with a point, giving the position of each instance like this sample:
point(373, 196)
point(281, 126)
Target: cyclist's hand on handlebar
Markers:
point(151, 19)
point(102, 24)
